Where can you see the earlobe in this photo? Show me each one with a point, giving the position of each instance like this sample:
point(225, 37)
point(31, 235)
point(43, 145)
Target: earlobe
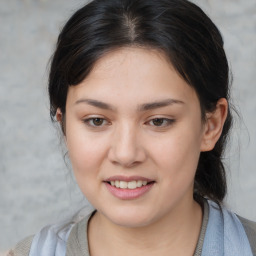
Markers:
point(61, 119)
point(214, 124)
point(59, 115)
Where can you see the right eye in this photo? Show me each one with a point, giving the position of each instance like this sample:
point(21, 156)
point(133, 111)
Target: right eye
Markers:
point(95, 121)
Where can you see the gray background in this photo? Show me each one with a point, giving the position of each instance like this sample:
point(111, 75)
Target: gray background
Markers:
point(36, 187)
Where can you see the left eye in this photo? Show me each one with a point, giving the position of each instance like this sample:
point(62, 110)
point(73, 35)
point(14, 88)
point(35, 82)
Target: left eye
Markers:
point(95, 121)
point(160, 122)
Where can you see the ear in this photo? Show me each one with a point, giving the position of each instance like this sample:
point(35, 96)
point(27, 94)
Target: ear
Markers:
point(60, 118)
point(214, 125)
point(59, 115)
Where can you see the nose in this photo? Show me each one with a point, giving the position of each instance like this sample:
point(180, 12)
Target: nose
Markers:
point(126, 148)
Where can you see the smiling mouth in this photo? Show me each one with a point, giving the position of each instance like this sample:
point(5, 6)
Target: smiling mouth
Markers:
point(129, 184)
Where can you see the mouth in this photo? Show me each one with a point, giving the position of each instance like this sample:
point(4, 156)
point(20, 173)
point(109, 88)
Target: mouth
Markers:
point(129, 184)
point(127, 188)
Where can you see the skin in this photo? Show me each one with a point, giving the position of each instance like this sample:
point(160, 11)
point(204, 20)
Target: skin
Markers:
point(161, 142)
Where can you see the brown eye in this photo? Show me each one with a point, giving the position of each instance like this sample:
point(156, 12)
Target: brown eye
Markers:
point(158, 121)
point(97, 121)
point(161, 122)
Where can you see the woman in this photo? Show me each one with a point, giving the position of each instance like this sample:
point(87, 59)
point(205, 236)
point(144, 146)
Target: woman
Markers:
point(141, 91)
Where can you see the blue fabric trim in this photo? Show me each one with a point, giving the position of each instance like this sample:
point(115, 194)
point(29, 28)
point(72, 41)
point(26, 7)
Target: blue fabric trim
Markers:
point(225, 235)
point(51, 241)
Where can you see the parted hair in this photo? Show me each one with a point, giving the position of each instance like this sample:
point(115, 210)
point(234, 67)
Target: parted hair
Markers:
point(179, 29)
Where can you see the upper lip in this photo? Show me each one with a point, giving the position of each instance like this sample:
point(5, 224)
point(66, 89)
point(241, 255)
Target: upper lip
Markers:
point(127, 179)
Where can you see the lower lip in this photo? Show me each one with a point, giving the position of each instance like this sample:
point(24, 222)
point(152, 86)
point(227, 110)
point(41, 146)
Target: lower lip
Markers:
point(128, 194)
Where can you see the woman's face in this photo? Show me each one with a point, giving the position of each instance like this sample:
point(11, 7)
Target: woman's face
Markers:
point(134, 136)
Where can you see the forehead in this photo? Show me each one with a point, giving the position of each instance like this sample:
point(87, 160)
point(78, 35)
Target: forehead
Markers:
point(128, 59)
point(133, 74)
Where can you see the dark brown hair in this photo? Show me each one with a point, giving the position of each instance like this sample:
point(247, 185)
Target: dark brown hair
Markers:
point(181, 30)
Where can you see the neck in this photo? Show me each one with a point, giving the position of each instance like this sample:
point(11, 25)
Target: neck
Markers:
point(176, 232)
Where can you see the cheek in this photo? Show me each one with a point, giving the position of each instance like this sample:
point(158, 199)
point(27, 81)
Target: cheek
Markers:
point(86, 152)
point(86, 156)
point(178, 154)
point(177, 168)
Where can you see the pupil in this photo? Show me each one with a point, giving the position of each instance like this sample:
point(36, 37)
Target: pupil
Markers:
point(97, 121)
point(158, 121)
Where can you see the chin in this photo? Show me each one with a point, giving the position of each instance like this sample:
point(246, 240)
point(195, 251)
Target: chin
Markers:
point(130, 218)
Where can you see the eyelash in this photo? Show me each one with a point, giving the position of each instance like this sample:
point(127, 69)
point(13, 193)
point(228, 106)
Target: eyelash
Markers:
point(165, 122)
point(89, 121)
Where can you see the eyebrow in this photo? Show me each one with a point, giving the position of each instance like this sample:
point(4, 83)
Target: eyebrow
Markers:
point(96, 103)
point(159, 104)
point(143, 107)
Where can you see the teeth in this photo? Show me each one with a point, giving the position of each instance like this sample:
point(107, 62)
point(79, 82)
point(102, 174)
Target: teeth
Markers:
point(117, 184)
point(130, 185)
point(123, 184)
point(139, 183)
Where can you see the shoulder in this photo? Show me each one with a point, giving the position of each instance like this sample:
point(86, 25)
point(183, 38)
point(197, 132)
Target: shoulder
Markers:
point(249, 226)
point(52, 239)
point(250, 230)
point(45, 242)
point(22, 248)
